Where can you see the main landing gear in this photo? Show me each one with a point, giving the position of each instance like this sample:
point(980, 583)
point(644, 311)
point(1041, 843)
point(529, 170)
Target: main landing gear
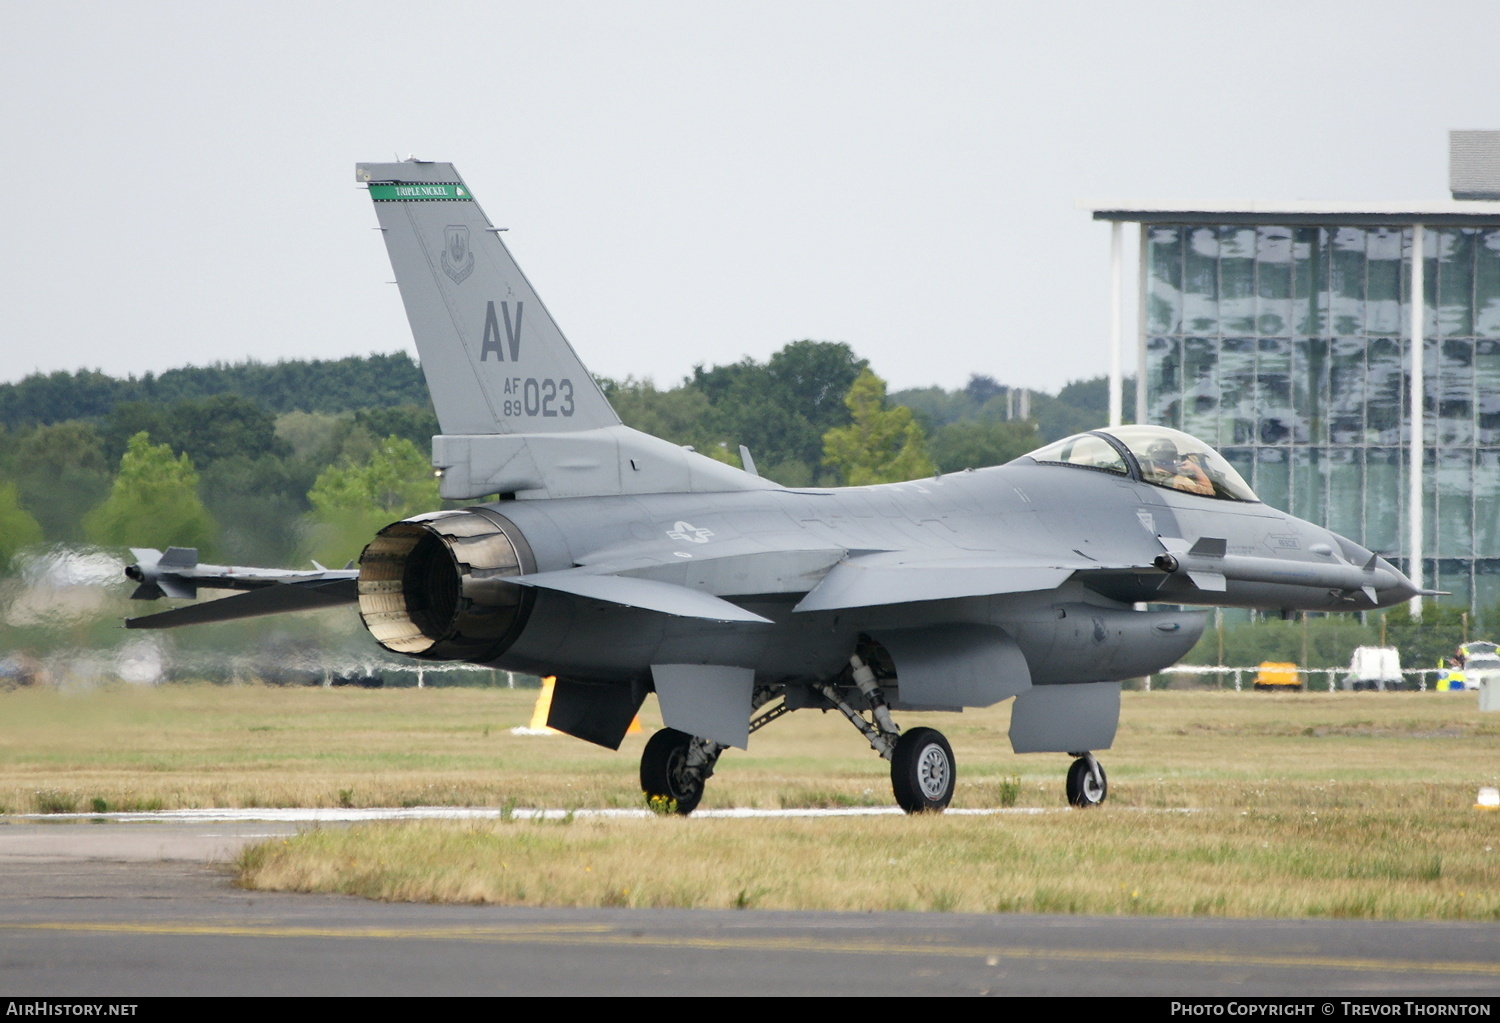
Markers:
point(1087, 785)
point(674, 768)
point(675, 765)
point(922, 771)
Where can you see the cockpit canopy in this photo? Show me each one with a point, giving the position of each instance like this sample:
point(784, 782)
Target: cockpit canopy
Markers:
point(1157, 455)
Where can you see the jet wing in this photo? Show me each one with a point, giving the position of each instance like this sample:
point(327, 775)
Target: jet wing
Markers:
point(691, 579)
point(736, 567)
point(903, 577)
point(648, 594)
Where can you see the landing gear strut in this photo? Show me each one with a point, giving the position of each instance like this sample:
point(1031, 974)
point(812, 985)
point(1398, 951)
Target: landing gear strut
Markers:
point(1087, 785)
point(675, 765)
point(923, 771)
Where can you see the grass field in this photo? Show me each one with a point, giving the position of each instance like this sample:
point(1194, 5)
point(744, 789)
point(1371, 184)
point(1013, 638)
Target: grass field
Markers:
point(1355, 805)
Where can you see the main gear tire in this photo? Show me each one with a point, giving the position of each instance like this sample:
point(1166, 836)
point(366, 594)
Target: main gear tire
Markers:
point(923, 771)
point(666, 779)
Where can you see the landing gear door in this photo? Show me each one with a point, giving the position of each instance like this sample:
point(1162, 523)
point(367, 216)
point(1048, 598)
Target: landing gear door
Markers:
point(950, 667)
point(707, 700)
point(1070, 718)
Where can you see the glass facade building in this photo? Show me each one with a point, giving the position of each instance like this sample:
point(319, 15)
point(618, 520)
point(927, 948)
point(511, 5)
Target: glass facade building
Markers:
point(1286, 345)
point(1281, 335)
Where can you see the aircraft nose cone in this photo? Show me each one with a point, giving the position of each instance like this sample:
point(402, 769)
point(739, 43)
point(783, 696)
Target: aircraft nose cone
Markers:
point(1402, 590)
point(1392, 586)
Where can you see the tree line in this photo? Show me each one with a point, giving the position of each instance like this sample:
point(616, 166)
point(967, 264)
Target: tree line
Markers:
point(317, 385)
point(274, 464)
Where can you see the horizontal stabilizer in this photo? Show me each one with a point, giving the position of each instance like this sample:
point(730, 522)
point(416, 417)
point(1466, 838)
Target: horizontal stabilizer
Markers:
point(268, 600)
point(178, 574)
point(898, 577)
point(647, 594)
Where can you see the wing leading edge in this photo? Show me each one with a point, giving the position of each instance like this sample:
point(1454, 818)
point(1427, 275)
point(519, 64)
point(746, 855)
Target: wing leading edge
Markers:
point(902, 577)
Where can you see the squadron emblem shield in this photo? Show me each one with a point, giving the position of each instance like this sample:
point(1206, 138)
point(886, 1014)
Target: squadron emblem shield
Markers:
point(458, 259)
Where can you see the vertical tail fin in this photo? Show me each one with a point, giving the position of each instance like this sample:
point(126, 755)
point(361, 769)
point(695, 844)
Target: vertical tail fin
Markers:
point(495, 361)
point(519, 412)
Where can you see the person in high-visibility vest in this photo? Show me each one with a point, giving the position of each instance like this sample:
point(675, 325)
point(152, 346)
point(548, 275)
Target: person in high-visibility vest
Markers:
point(1454, 679)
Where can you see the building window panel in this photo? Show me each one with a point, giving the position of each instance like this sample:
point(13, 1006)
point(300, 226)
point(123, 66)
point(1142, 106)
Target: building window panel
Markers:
point(1309, 390)
point(1453, 576)
point(1346, 281)
point(1454, 420)
point(1200, 283)
point(1455, 283)
point(1274, 390)
point(1237, 402)
point(1164, 292)
point(1385, 387)
point(1383, 501)
point(1487, 391)
point(1487, 284)
point(1383, 295)
point(1308, 487)
point(1236, 280)
point(1487, 504)
point(1310, 281)
point(1430, 530)
point(1200, 399)
point(1273, 280)
point(1346, 391)
point(1429, 282)
point(1346, 485)
point(1272, 477)
point(1430, 385)
point(1487, 589)
point(1455, 504)
point(1164, 381)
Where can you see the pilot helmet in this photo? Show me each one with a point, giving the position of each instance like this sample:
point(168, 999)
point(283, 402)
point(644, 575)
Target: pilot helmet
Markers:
point(1162, 452)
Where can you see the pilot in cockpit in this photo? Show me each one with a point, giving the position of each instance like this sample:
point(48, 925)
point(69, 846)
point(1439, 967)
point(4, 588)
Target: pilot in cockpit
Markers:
point(1165, 467)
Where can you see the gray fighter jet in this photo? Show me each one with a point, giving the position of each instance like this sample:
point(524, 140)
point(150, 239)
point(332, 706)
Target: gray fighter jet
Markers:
point(624, 564)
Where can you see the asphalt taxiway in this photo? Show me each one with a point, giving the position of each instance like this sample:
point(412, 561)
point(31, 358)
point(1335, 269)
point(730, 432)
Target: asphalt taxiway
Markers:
point(148, 907)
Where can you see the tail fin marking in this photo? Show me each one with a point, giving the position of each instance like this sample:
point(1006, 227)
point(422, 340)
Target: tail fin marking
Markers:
point(495, 360)
point(520, 413)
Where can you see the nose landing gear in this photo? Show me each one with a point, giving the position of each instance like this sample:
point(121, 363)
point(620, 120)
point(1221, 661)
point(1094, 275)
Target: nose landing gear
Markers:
point(1087, 785)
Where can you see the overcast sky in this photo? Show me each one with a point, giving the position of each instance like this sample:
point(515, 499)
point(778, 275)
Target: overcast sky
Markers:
point(683, 182)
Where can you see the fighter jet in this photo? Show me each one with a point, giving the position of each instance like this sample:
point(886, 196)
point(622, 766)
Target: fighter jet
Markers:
point(624, 564)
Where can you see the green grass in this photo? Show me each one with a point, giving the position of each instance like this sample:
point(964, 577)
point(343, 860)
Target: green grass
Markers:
point(1220, 803)
point(1341, 863)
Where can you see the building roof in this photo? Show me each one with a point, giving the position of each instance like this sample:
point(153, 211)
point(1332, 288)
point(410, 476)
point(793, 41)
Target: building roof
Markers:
point(1443, 213)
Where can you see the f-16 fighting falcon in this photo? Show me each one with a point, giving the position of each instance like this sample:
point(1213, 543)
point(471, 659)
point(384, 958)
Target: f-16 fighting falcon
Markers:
point(624, 564)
